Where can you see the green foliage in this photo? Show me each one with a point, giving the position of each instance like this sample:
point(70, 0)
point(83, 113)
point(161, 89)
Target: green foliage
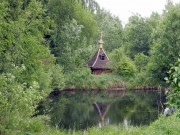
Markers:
point(140, 61)
point(60, 11)
point(27, 69)
point(22, 42)
point(82, 78)
point(164, 126)
point(66, 51)
point(121, 63)
point(71, 52)
point(106, 81)
point(75, 27)
point(25, 61)
point(165, 49)
point(126, 67)
point(90, 5)
point(174, 81)
point(139, 80)
point(87, 20)
point(17, 101)
point(58, 79)
point(154, 20)
point(115, 56)
point(137, 36)
point(111, 28)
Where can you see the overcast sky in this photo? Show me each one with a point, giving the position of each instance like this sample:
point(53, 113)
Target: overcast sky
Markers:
point(126, 8)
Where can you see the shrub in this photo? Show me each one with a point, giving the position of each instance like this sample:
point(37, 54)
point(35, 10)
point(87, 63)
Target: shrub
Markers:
point(140, 80)
point(17, 101)
point(174, 81)
point(81, 78)
point(126, 67)
point(140, 61)
point(58, 80)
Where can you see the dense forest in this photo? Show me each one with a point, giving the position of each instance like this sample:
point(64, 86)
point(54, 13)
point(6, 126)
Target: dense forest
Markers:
point(45, 45)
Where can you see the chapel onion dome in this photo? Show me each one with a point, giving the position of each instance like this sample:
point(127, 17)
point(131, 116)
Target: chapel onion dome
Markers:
point(100, 42)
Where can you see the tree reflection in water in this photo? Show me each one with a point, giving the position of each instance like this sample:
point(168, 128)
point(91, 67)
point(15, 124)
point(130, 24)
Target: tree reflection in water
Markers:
point(82, 110)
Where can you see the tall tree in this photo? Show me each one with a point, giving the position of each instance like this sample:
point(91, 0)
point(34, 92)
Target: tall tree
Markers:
point(75, 27)
point(111, 29)
point(90, 5)
point(137, 36)
point(166, 49)
point(23, 43)
point(153, 21)
point(25, 61)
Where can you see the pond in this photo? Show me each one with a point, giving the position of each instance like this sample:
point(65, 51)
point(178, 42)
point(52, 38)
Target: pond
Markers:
point(81, 110)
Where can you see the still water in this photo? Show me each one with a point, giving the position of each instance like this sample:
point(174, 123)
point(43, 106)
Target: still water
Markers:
point(81, 110)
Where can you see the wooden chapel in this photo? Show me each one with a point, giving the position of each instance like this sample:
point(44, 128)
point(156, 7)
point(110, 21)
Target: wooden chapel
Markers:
point(99, 62)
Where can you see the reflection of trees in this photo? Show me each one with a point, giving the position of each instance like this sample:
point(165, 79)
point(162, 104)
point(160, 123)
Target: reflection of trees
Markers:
point(146, 109)
point(121, 108)
point(56, 110)
point(77, 115)
point(138, 108)
point(77, 111)
point(141, 116)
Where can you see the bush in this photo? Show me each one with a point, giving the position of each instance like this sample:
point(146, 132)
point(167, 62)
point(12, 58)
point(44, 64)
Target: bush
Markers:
point(126, 67)
point(174, 81)
point(58, 80)
point(81, 78)
point(140, 61)
point(140, 80)
point(116, 56)
point(165, 126)
point(17, 101)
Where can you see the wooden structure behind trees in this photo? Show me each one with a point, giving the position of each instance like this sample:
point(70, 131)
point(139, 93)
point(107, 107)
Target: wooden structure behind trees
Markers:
point(98, 62)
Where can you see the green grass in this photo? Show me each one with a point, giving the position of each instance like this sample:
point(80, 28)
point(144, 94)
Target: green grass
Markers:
point(108, 81)
point(163, 126)
point(85, 80)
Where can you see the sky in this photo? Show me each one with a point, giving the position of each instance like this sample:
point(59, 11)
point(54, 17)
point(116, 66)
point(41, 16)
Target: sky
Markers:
point(126, 8)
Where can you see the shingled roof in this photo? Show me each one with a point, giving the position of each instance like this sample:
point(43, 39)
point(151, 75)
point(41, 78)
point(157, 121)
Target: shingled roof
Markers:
point(100, 58)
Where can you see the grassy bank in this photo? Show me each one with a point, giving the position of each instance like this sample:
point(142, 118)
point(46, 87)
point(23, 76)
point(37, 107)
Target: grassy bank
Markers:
point(85, 80)
point(163, 126)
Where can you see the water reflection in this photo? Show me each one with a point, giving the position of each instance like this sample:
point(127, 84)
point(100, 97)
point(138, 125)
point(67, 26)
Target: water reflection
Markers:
point(102, 109)
point(83, 110)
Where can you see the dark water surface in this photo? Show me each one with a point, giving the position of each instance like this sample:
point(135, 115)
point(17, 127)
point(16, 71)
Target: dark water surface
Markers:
point(81, 110)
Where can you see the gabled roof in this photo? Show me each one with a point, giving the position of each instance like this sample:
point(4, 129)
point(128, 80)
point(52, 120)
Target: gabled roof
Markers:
point(97, 62)
point(100, 58)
